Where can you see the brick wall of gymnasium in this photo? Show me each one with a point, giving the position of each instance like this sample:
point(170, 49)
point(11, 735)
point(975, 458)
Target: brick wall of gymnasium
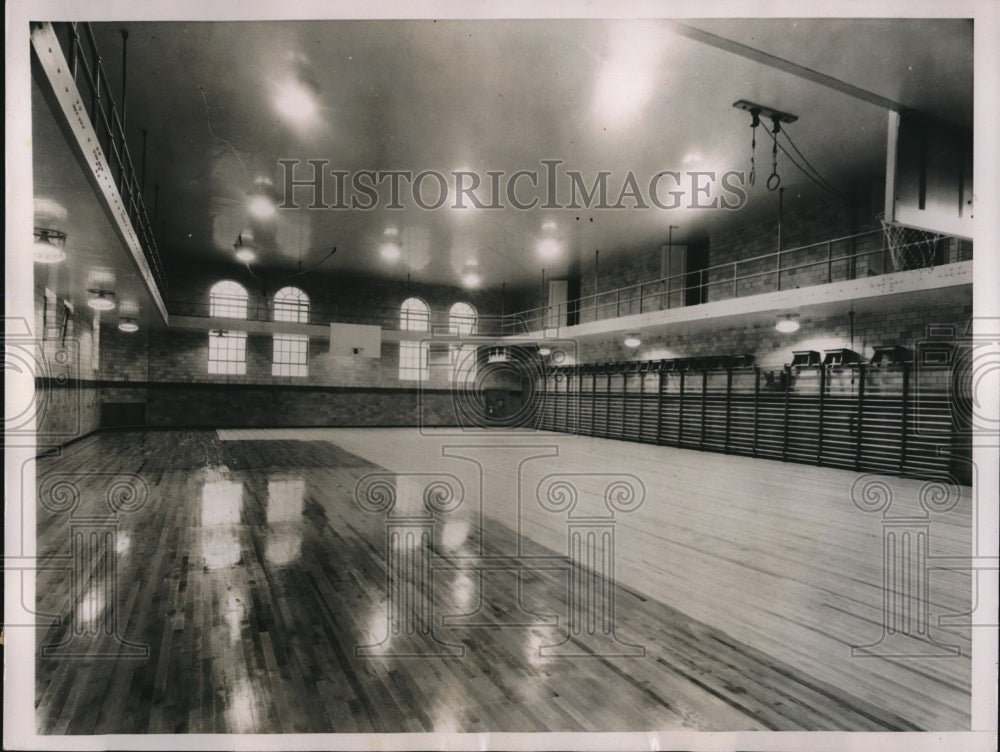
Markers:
point(892, 325)
point(159, 377)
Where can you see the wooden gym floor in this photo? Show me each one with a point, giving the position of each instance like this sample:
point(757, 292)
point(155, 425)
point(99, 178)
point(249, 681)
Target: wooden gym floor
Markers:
point(256, 592)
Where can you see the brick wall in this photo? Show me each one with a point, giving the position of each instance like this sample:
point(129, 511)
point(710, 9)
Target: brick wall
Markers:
point(734, 239)
point(67, 401)
point(182, 355)
point(220, 405)
point(176, 355)
point(170, 366)
point(804, 224)
point(772, 349)
point(333, 297)
point(616, 268)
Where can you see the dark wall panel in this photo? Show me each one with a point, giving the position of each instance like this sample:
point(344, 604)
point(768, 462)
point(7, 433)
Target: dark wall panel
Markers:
point(894, 419)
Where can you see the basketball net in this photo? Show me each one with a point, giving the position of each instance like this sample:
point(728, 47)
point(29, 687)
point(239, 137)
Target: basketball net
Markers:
point(909, 248)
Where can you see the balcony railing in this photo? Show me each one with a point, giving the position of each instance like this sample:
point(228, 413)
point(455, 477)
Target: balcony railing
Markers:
point(846, 258)
point(87, 69)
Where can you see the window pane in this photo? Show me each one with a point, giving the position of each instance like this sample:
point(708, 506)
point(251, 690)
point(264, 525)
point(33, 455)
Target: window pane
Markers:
point(228, 300)
point(462, 319)
point(291, 304)
point(291, 355)
point(414, 316)
point(227, 352)
point(413, 361)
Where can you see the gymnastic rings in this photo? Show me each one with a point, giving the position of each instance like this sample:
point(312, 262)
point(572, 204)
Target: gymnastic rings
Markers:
point(773, 181)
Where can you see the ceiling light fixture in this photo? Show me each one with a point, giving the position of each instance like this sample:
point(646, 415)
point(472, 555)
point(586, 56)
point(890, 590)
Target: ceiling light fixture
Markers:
point(295, 100)
point(296, 96)
point(101, 300)
point(544, 351)
point(548, 248)
point(632, 340)
point(262, 203)
point(470, 274)
point(390, 251)
point(262, 206)
point(128, 325)
point(244, 253)
point(787, 324)
point(48, 247)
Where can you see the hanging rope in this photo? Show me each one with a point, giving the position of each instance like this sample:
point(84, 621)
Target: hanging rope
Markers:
point(755, 114)
point(774, 180)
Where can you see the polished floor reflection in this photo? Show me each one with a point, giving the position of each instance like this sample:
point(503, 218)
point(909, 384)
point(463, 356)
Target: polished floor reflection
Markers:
point(284, 584)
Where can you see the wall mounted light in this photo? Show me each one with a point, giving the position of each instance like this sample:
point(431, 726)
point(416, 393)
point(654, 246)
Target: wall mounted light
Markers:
point(101, 300)
point(48, 246)
point(128, 325)
point(787, 324)
point(632, 340)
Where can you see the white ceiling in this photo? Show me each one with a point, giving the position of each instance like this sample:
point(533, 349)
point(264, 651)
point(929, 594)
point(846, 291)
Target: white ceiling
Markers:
point(501, 95)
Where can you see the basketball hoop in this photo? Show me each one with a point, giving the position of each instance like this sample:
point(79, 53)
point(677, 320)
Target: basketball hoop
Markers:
point(909, 248)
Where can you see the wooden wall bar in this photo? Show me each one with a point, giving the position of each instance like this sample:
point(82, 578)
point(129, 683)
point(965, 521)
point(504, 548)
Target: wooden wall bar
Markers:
point(891, 419)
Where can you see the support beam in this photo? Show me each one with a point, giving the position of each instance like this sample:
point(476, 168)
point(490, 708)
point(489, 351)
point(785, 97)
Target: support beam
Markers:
point(60, 89)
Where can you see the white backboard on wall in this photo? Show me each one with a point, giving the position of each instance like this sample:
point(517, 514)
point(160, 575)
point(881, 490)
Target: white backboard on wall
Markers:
point(361, 340)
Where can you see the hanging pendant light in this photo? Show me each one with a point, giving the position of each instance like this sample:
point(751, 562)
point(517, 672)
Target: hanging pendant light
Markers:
point(471, 277)
point(787, 324)
point(48, 246)
point(101, 300)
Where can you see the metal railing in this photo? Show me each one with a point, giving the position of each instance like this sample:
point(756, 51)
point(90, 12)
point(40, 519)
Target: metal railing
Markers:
point(85, 65)
point(845, 258)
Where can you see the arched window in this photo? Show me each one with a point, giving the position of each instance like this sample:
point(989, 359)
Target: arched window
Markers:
point(291, 304)
point(291, 351)
point(462, 319)
point(414, 315)
point(227, 350)
point(462, 322)
point(228, 299)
